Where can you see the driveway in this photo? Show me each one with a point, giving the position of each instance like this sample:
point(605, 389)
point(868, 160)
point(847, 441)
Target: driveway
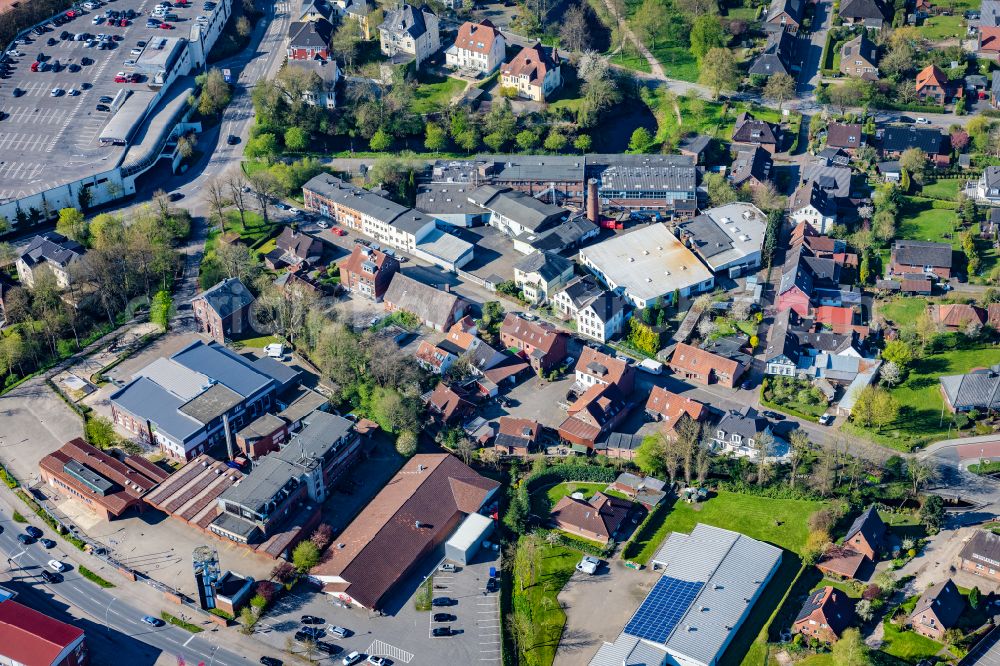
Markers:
point(617, 591)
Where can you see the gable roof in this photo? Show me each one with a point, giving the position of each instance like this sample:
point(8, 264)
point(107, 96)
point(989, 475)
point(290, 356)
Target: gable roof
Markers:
point(375, 259)
point(931, 75)
point(300, 245)
point(601, 515)
point(751, 131)
point(606, 306)
point(701, 361)
point(862, 9)
point(540, 335)
point(227, 297)
point(32, 638)
point(836, 607)
point(922, 253)
point(897, 138)
point(426, 302)
point(775, 57)
point(958, 314)
point(869, 524)
point(582, 290)
point(407, 19)
point(833, 179)
point(548, 265)
point(845, 135)
point(944, 600)
point(602, 366)
point(595, 410)
point(793, 8)
point(747, 423)
point(989, 38)
point(524, 209)
point(477, 37)
point(672, 406)
point(982, 547)
point(516, 433)
point(753, 163)
point(534, 62)
point(417, 508)
point(448, 403)
point(811, 194)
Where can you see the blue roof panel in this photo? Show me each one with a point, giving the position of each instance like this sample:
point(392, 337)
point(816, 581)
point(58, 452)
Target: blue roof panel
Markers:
point(663, 609)
point(144, 397)
point(224, 366)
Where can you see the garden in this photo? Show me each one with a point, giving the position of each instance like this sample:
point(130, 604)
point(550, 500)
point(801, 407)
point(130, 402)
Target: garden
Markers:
point(794, 396)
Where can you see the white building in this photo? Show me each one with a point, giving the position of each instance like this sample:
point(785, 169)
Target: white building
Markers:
point(515, 212)
point(534, 73)
point(811, 203)
point(541, 274)
point(648, 266)
point(988, 186)
point(324, 93)
point(603, 318)
point(409, 31)
point(479, 47)
point(51, 252)
point(728, 238)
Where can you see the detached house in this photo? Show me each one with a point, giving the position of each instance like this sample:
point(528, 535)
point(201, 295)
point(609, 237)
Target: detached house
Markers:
point(540, 343)
point(981, 555)
point(845, 136)
point(309, 40)
point(594, 415)
point(937, 610)
point(988, 185)
point(409, 32)
point(785, 15)
point(368, 272)
point(323, 91)
point(598, 519)
point(448, 406)
point(894, 140)
point(752, 167)
point(357, 10)
point(989, 43)
point(859, 58)
point(671, 409)
point(751, 132)
point(541, 274)
point(869, 13)
point(921, 257)
point(52, 252)
point(479, 47)
point(933, 86)
point(603, 318)
point(534, 73)
point(223, 310)
point(298, 247)
point(705, 367)
point(810, 203)
point(862, 545)
point(825, 615)
point(434, 308)
point(595, 367)
point(777, 56)
point(742, 434)
point(517, 437)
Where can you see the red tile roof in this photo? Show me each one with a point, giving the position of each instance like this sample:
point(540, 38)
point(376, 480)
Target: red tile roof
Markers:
point(476, 37)
point(989, 38)
point(415, 511)
point(671, 406)
point(533, 62)
point(446, 402)
point(602, 515)
point(32, 638)
point(699, 361)
point(957, 315)
point(539, 335)
point(931, 75)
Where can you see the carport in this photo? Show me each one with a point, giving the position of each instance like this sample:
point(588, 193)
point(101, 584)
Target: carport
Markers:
point(465, 542)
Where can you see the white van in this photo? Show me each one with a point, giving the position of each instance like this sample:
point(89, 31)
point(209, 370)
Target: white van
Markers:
point(275, 350)
point(651, 366)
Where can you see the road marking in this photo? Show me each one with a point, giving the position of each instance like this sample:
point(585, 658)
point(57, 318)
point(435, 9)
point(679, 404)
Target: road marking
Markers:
point(189, 640)
point(382, 648)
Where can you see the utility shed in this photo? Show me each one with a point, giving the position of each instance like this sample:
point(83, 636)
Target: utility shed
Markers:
point(465, 542)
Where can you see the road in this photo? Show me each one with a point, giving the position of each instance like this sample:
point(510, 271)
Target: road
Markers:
point(118, 616)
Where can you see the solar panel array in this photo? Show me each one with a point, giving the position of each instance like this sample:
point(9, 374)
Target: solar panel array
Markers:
point(666, 604)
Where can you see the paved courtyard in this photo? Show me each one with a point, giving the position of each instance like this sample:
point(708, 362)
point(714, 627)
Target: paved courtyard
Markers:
point(34, 422)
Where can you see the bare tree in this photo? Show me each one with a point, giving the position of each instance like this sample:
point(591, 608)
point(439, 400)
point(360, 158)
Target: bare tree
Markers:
point(799, 447)
point(217, 191)
point(264, 187)
point(238, 192)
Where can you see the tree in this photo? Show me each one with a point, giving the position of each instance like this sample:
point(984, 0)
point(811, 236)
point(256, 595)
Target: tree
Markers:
point(264, 188)
point(555, 141)
point(161, 309)
point(640, 141)
point(406, 443)
point(101, 433)
point(863, 609)
point(239, 192)
point(890, 374)
point(527, 140)
point(919, 473)
point(305, 556)
point(846, 95)
point(72, 225)
point(236, 260)
point(575, 32)
point(650, 21)
point(719, 71)
point(779, 88)
point(650, 455)
point(216, 191)
point(215, 93)
point(974, 598)
point(345, 42)
point(582, 143)
point(263, 146)
point(707, 33)
point(243, 27)
point(914, 162)
point(296, 139)
point(899, 352)
point(850, 650)
point(435, 138)
point(932, 512)
point(323, 536)
point(380, 141)
point(643, 338)
point(720, 191)
point(247, 620)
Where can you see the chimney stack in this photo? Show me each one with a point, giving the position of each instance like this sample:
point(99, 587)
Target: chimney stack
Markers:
point(593, 203)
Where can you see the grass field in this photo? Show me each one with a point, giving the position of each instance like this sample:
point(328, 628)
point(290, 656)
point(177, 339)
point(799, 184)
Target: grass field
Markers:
point(940, 28)
point(557, 566)
point(919, 220)
point(434, 93)
point(946, 189)
point(907, 645)
point(920, 416)
point(253, 231)
point(902, 309)
point(560, 490)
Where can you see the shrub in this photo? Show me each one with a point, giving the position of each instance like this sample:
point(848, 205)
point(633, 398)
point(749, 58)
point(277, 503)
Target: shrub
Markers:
point(18, 518)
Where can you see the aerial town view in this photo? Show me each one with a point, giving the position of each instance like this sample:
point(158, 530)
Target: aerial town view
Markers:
point(500, 332)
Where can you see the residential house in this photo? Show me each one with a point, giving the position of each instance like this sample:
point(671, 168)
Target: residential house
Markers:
point(322, 91)
point(541, 274)
point(810, 203)
point(833, 179)
point(840, 320)
point(845, 136)
point(890, 171)
point(298, 247)
point(596, 367)
point(309, 40)
point(727, 238)
point(410, 33)
point(313, 10)
point(671, 409)
point(752, 167)
point(603, 318)
point(535, 72)
point(463, 340)
point(695, 146)
point(517, 437)
point(434, 358)
point(782, 354)
point(433, 307)
point(705, 367)
point(368, 272)
point(598, 519)
point(870, 13)
point(478, 47)
point(516, 213)
point(359, 11)
point(751, 132)
point(810, 279)
point(785, 15)
point(867, 534)
point(448, 406)
point(978, 389)
point(934, 87)
point(988, 185)
point(777, 56)
point(52, 252)
point(539, 343)
point(938, 610)
point(989, 43)
point(223, 310)
point(981, 555)
point(921, 257)
point(826, 613)
point(895, 139)
point(577, 293)
point(594, 415)
point(743, 433)
point(645, 490)
point(957, 316)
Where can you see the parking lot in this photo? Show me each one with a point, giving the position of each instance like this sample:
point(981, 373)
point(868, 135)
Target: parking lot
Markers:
point(46, 139)
point(404, 636)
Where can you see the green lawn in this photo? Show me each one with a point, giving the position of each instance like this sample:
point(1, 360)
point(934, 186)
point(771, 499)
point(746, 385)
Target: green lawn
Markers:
point(902, 309)
point(920, 416)
point(434, 93)
point(560, 490)
point(781, 522)
point(943, 189)
point(258, 342)
point(919, 220)
point(631, 60)
point(254, 229)
point(844, 586)
point(907, 645)
point(677, 61)
point(940, 28)
point(557, 565)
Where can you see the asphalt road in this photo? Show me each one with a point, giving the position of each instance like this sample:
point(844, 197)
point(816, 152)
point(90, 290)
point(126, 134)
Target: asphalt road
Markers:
point(121, 621)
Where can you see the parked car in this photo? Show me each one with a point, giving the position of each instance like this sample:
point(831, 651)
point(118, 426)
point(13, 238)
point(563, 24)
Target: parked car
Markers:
point(311, 619)
point(310, 632)
point(376, 661)
point(491, 585)
point(438, 632)
point(271, 661)
point(323, 224)
point(33, 531)
point(351, 659)
point(923, 121)
point(47, 543)
point(443, 601)
point(328, 648)
point(827, 419)
point(774, 416)
point(338, 631)
point(447, 567)
point(444, 617)
point(25, 539)
point(153, 621)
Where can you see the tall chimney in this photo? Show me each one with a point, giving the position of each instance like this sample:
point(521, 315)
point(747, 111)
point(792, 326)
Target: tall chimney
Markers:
point(593, 203)
point(229, 436)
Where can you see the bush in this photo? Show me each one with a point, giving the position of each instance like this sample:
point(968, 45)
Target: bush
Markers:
point(8, 479)
point(19, 518)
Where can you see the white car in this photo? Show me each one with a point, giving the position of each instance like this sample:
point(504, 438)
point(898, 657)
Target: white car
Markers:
point(57, 566)
point(923, 121)
point(97, 20)
point(588, 565)
point(294, 211)
point(72, 92)
point(323, 224)
point(201, 19)
point(376, 661)
point(135, 52)
point(129, 63)
point(14, 53)
point(351, 659)
point(56, 92)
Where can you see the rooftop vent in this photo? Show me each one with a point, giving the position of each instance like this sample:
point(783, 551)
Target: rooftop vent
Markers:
point(341, 546)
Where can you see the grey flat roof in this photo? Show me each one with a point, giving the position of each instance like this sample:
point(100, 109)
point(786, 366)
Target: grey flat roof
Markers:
point(276, 370)
point(147, 399)
point(444, 245)
point(262, 426)
point(314, 440)
point(268, 477)
point(727, 233)
point(301, 402)
point(446, 198)
point(212, 403)
point(224, 366)
point(129, 116)
point(183, 382)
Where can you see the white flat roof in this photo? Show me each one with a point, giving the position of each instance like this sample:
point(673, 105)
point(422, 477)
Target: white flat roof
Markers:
point(739, 232)
point(444, 245)
point(648, 262)
point(473, 527)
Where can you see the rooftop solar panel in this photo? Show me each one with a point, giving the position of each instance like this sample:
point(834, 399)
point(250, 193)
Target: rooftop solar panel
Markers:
point(666, 604)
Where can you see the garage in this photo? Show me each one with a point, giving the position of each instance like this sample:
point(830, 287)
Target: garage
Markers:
point(465, 542)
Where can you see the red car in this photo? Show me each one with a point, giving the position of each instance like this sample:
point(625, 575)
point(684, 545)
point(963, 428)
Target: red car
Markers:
point(338, 231)
point(166, 26)
point(123, 23)
point(71, 14)
point(35, 65)
point(121, 79)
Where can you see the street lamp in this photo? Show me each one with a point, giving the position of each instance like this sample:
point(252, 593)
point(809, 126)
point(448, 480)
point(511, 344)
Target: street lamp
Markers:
point(107, 610)
point(212, 660)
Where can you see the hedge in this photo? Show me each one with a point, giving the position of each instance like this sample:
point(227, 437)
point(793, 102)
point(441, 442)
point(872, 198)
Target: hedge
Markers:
point(8, 478)
point(588, 547)
point(647, 528)
point(567, 472)
point(771, 492)
point(918, 108)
